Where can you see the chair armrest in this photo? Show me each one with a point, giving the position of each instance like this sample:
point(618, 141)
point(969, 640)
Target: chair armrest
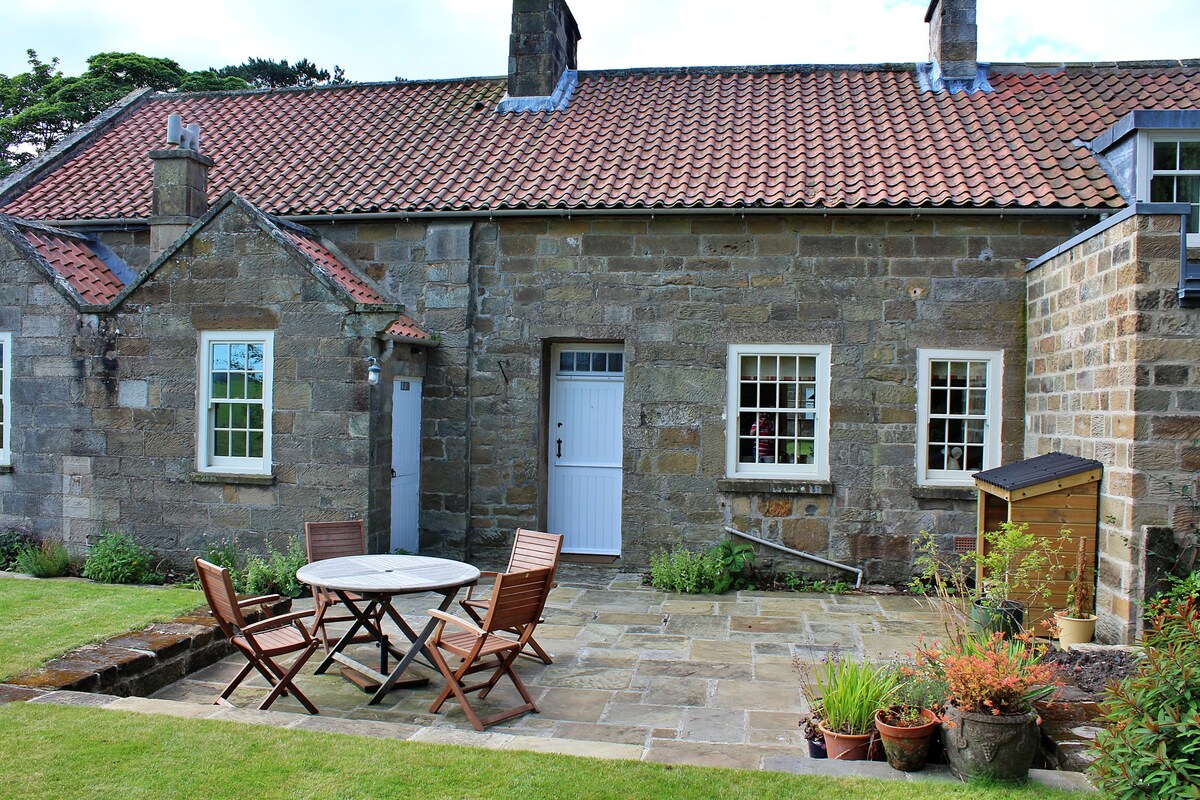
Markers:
point(453, 620)
point(482, 574)
point(261, 600)
point(271, 623)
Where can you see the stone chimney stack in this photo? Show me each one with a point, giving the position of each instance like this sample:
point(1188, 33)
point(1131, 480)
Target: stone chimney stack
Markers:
point(953, 38)
point(542, 46)
point(180, 194)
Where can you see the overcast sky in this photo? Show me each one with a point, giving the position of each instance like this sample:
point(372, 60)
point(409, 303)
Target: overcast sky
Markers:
point(381, 39)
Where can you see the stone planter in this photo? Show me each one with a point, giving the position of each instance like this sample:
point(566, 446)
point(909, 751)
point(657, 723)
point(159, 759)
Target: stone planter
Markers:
point(986, 745)
point(998, 616)
point(1073, 630)
point(847, 747)
point(907, 747)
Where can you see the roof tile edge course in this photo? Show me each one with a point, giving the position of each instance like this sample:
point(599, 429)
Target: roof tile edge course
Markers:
point(28, 236)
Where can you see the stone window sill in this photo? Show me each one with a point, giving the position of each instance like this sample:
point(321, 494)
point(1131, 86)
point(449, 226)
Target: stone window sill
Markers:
point(944, 493)
point(773, 486)
point(220, 477)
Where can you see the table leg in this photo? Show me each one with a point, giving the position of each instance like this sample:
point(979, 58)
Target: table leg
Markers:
point(418, 643)
point(362, 619)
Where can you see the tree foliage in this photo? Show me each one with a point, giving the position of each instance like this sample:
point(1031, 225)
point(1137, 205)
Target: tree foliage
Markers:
point(40, 107)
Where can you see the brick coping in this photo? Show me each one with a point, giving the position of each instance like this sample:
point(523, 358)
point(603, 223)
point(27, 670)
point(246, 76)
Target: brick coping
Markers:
point(773, 758)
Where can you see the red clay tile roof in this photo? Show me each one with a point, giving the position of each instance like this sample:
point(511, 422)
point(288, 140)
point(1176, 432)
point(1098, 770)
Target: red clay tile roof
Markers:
point(682, 138)
point(77, 263)
point(327, 262)
point(407, 328)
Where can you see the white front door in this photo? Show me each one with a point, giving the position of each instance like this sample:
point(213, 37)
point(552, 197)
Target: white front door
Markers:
point(406, 463)
point(586, 389)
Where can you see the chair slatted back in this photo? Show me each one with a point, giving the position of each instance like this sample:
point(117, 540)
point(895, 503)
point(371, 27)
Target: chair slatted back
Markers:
point(334, 539)
point(518, 599)
point(534, 550)
point(222, 599)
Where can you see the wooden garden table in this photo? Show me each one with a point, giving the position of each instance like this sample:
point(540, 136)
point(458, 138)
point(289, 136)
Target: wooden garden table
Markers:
point(367, 586)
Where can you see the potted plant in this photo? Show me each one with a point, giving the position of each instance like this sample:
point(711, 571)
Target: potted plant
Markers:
point(908, 725)
point(1015, 560)
point(851, 692)
point(810, 728)
point(1076, 624)
point(989, 726)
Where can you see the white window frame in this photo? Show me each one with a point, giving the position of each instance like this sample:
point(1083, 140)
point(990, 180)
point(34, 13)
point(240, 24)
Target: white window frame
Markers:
point(1145, 165)
point(819, 469)
point(228, 465)
point(991, 425)
point(6, 396)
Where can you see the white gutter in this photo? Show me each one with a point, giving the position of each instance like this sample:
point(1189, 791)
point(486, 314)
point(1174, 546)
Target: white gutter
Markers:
point(809, 556)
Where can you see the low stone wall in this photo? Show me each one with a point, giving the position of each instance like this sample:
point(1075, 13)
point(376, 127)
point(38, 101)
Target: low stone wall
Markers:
point(139, 662)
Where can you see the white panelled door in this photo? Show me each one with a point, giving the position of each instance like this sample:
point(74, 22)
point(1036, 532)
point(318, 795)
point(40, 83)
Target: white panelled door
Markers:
point(406, 463)
point(586, 390)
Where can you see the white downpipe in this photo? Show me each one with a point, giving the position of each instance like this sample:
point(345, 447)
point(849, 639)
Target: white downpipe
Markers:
point(858, 572)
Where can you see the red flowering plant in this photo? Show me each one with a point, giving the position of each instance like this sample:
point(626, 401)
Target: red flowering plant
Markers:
point(992, 674)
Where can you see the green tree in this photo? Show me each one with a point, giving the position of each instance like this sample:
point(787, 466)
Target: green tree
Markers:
point(265, 73)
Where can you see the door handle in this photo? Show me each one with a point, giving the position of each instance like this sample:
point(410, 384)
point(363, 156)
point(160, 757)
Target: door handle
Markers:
point(559, 449)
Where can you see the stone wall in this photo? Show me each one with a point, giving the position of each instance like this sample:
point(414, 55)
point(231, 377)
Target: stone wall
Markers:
point(1113, 372)
point(676, 290)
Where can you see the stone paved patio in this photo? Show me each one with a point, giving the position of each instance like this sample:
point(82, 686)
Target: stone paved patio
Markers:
point(680, 676)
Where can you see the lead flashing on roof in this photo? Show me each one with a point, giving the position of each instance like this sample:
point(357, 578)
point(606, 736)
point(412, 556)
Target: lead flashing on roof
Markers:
point(567, 84)
point(1146, 120)
point(929, 77)
point(1183, 209)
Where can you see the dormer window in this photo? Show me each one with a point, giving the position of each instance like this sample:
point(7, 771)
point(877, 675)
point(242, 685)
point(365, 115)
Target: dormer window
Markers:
point(1175, 176)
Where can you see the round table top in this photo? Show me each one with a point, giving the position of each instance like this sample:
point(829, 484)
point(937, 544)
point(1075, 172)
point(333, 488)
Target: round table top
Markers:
point(384, 574)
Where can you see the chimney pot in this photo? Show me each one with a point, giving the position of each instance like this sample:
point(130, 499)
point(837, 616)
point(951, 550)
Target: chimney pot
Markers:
point(180, 193)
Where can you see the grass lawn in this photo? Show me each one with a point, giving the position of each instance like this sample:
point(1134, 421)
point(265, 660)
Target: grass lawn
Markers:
point(64, 751)
point(42, 619)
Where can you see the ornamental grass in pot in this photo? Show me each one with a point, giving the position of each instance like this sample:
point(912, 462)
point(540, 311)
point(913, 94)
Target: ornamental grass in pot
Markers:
point(989, 726)
point(908, 726)
point(851, 692)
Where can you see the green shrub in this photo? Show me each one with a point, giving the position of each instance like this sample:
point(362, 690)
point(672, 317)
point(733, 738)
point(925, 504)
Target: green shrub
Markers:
point(43, 560)
point(11, 543)
point(1152, 749)
point(223, 554)
point(851, 692)
point(275, 573)
point(682, 570)
point(116, 558)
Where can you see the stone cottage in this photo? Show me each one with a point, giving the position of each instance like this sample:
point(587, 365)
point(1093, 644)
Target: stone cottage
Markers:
point(633, 306)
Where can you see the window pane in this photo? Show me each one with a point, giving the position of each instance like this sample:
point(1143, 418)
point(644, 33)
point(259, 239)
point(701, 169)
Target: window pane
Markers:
point(768, 395)
point(958, 373)
point(974, 459)
point(787, 368)
point(937, 456)
point(566, 362)
point(958, 401)
point(975, 431)
point(1189, 155)
point(978, 370)
point(938, 401)
point(956, 431)
point(237, 444)
point(220, 356)
point(222, 415)
point(599, 362)
point(937, 431)
point(256, 444)
point(220, 385)
point(237, 356)
point(237, 385)
point(254, 385)
point(1162, 189)
point(770, 368)
point(221, 443)
point(749, 367)
point(1164, 155)
point(939, 373)
point(616, 362)
point(255, 357)
point(978, 402)
point(238, 416)
point(1187, 189)
point(256, 418)
point(746, 451)
point(748, 395)
point(788, 395)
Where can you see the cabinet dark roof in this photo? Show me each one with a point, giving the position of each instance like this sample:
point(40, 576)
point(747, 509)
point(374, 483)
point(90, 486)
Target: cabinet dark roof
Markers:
point(1032, 471)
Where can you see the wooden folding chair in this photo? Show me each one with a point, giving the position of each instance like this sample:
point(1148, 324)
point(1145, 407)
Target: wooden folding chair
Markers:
point(516, 605)
point(333, 540)
point(261, 642)
point(531, 550)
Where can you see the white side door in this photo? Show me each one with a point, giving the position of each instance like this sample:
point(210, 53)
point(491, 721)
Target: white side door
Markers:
point(406, 463)
point(586, 390)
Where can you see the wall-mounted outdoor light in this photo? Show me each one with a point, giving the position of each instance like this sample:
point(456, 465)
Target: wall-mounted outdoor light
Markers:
point(373, 371)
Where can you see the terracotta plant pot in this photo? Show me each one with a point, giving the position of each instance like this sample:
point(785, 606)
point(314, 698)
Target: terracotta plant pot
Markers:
point(1072, 630)
point(907, 748)
point(998, 747)
point(845, 746)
